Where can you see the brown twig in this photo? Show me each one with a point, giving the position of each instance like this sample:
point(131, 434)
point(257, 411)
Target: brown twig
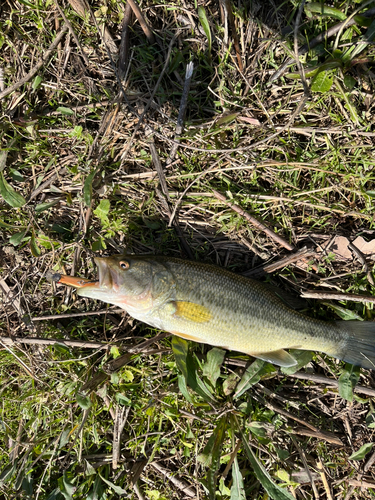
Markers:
point(319, 379)
point(47, 54)
point(77, 315)
point(73, 33)
point(182, 111)
point(138, 14)
point(289, 259)
point(259, 225)
point(180, 484)
point(316, 294)
point(319, 434)
point(159, 169)
point(124, 44)
point(323, 476)
point(40, 341)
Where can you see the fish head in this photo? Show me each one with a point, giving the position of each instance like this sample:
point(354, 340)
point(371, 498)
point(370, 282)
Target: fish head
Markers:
point(123, 280)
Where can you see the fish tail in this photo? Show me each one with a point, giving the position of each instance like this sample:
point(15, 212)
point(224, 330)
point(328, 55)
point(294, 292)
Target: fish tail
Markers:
point(358, 346)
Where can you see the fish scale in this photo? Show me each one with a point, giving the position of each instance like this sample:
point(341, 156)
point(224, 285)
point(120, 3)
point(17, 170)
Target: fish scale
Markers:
point(212, 305)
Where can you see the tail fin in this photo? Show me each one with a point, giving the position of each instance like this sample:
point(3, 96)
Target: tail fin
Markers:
point(359, 348)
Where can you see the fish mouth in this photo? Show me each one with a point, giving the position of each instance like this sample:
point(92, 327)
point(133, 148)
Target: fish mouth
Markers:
point(108, 277)
point(107, 280)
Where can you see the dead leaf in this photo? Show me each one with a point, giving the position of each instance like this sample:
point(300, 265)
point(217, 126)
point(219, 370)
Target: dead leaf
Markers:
point(252, 121)
point(366, 247)
point(339, 246)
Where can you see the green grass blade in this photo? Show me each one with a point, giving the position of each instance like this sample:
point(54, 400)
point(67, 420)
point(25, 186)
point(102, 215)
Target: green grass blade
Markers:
point(206, 26)
point(273, 490)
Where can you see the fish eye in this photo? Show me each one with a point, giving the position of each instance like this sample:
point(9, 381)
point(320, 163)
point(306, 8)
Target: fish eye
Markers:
point(124, 264)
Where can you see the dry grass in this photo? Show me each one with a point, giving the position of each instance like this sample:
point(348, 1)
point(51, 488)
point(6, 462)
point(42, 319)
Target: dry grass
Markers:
point(82, 147)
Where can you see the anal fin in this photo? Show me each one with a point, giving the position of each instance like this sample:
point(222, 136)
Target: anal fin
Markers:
point(279, 358)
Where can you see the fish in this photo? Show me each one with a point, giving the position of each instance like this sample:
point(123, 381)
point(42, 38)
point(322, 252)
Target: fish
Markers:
point(211, 305)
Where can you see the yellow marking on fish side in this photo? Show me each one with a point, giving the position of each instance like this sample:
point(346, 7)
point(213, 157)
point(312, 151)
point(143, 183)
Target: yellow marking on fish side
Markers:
point(191, 311)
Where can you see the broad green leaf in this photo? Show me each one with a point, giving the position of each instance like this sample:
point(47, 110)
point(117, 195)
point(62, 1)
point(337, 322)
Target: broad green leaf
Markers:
point(102, 211)
point(65, 111)
point(183, 388)
point(27, 485)
point(76, 132)
point(11, 196)
point(302, 358)
point(188, 368)
point(324, 10)
point(211, 455)
point(16, 175)
point(180, 349)
point(17, 238)
point(7, 473)
point(322, 82)
point(64, 438)
point(3, 159)
point(54, 495)
point(348, 380)
point(274, 491)
point(230, 383)
point(67, 488)
point(371, 194)
point(226, 119)
point(205, 25)
point(87, 188)
point(362, 452)
point(37, 81)
point(252, 375)
point(84, 401)
point(345, 314)
point(349, 82)
point(237, 491)
point(45, 206)
point(116, 489)
point(35, 250)
point(211, 369)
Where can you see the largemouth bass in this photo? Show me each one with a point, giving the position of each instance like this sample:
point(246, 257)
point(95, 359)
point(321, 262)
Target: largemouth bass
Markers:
point(211, 305)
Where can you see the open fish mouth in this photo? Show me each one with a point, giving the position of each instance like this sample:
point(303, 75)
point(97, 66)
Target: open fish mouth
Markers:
point(108, 278)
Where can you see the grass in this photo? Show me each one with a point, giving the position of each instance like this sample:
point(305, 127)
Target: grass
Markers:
point(78, 178)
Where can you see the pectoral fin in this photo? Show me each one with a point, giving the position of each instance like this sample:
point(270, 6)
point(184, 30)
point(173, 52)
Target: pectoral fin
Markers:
point(191, 311)
point(279, 358)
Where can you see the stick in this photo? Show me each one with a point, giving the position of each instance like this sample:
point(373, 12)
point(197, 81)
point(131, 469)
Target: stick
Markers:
point(259, 225)
point(138, 14)
point(312, 294)
point(77, 315)
point(124, 45)
point(289, 259)
point(181, 113)
point(319, 379)
point(37, 67)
